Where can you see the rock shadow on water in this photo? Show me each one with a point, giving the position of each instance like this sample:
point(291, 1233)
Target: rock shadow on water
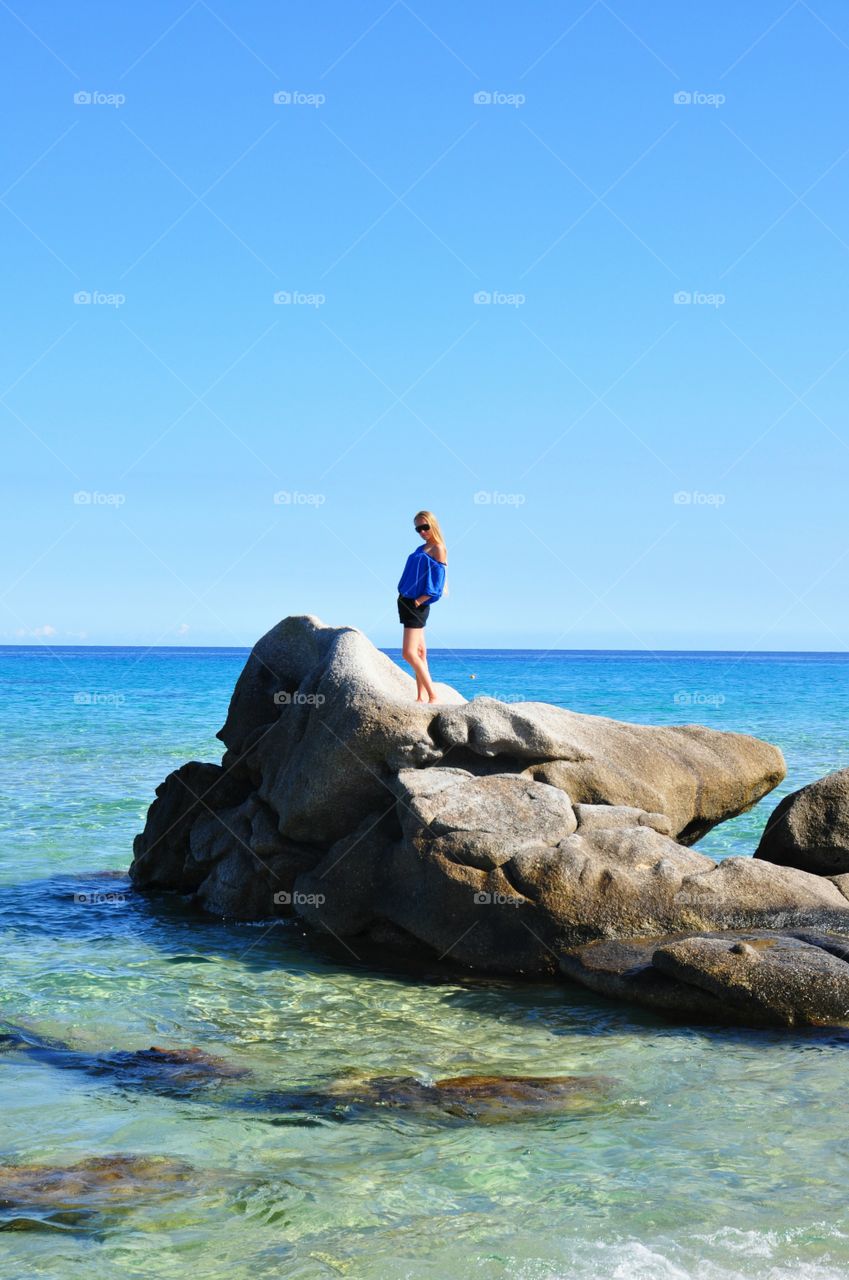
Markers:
point(84, 905)
point(97, 906)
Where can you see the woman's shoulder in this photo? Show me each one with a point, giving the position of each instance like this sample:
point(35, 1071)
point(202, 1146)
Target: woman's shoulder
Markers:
point(438, 552)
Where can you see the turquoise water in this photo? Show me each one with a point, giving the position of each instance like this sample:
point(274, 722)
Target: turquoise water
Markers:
point(716, 1153)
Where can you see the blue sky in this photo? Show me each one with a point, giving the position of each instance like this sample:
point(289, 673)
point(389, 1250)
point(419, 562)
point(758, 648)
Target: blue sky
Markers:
point(613, 468)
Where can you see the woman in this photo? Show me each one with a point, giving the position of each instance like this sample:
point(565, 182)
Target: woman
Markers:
point(422, 582)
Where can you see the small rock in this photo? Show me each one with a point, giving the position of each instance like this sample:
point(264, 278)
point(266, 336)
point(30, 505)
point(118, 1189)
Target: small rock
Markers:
point(757, 978)
point(809, 829)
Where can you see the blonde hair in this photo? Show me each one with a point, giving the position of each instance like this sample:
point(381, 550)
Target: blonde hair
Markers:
point(436, 534)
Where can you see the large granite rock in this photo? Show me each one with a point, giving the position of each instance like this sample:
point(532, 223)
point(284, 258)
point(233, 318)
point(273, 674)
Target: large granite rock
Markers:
point(502, 873)
point(809, 829)
point(320, 721)
point(161, 853)
point(320, 725)
point(495, 836)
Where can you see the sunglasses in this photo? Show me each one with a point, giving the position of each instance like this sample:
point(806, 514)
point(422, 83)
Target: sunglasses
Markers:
point(422, 528)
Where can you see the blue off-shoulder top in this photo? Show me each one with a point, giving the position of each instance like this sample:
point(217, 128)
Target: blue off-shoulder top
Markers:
point(422, 576)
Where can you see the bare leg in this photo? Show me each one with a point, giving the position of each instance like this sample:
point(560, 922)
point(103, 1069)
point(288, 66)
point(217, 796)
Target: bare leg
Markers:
point(415, 653)
point(428, 686)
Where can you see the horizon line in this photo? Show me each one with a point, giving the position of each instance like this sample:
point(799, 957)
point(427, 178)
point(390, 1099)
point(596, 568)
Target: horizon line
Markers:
point(247, 648)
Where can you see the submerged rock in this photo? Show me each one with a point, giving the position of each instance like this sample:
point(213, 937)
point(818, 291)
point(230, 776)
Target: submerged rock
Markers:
point(482, 1098)
point(168, 1072)
point(493, 1098)
point(45, 1196)
point(809, 829)
point(171, 1071)
point(186, 1073)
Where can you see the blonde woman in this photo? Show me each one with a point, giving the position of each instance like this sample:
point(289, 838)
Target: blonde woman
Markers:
point(422, 583)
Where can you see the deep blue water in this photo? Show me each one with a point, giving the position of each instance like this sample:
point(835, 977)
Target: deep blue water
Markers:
point(720, 1154)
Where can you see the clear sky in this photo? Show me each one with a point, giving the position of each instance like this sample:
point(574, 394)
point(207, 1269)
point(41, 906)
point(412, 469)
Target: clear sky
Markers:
point(283, 216)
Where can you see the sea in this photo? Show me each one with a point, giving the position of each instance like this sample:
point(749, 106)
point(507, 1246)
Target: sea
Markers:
point(717, 1153)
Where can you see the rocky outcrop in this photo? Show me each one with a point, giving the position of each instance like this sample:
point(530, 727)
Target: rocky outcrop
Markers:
point(809, 829)
point(320, 721)
point(497, 836)
point(320, 725)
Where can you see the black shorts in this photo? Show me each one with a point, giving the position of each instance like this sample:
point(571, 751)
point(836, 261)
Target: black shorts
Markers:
point(411, 615)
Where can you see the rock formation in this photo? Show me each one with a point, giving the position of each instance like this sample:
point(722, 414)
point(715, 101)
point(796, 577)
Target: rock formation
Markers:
point(504, 837)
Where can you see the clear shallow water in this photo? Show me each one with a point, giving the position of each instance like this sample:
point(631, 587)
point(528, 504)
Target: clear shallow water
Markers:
point(715, 1154)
